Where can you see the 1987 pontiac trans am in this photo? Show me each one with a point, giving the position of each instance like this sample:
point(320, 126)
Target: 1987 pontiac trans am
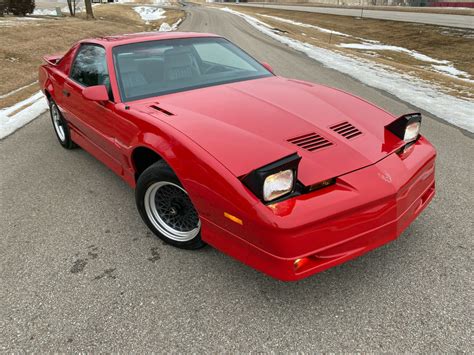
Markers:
point(286, 176)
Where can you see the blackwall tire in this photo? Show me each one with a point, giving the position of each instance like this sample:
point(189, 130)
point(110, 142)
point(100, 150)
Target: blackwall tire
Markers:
point(166, 208)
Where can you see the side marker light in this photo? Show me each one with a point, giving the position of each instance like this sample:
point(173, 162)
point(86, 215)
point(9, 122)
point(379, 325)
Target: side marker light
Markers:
point(233, 218)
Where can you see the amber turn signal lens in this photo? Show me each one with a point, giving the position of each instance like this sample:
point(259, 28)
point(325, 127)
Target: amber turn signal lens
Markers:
point(233, 218)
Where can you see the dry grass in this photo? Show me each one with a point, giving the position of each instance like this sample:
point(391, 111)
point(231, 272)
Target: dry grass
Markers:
point(432, 10)
point(455, 45)
point(21, 48)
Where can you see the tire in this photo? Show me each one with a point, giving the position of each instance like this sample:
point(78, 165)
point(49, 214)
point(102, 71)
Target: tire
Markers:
point(166, 208)
point(60, 126)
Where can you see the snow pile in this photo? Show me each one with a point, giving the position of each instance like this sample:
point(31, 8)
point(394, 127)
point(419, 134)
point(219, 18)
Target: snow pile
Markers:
point(408, 88)
point(149, 13)
point(45, 12)
point(16, 116)
point(167, 28)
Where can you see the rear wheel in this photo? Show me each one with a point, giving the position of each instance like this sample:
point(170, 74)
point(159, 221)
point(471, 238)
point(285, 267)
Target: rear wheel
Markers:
point(60, 126)
point(166, 208)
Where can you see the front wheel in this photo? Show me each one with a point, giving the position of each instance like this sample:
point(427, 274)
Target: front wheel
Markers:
point(166, 208)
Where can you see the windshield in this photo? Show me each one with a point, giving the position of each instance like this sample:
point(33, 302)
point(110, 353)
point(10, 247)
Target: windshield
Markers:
point(148, 69)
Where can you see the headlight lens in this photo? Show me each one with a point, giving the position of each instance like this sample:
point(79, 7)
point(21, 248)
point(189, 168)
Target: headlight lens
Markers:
point(412, 131)
point(406, 127)
point(278, 184)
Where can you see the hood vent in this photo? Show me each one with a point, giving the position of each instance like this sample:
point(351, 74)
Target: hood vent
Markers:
point(346, 130)
point(310, 142)
point(162, 110)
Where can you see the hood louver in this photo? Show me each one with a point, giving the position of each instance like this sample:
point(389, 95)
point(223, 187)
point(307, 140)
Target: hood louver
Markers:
point(346, 130)
point(310, 142)
point(162, 110)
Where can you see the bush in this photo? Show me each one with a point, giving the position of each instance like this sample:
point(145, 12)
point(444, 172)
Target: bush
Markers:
point(3, 7)
point(20, 7)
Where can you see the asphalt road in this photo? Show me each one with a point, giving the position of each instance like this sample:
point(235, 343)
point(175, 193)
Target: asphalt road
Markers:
point(450, 20)
point(80, 271)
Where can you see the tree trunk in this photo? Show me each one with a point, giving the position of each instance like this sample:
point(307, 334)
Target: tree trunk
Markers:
point(90, 14)
point(71, 9)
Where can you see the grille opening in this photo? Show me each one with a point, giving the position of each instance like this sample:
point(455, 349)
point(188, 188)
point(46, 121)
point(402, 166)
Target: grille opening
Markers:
point(158, 108)
point(346, 130)
point(310, 142)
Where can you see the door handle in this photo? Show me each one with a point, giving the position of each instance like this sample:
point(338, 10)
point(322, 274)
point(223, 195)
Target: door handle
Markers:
point(66, 93)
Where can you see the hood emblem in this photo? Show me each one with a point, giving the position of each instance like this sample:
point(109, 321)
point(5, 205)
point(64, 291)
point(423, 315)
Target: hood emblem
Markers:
point(385, 176)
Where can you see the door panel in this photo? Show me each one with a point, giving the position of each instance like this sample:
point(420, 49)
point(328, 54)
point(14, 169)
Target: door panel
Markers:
point(94, 121)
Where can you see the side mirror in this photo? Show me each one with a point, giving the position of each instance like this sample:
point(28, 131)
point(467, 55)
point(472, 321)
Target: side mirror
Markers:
point(268, 67)
point(96, 93)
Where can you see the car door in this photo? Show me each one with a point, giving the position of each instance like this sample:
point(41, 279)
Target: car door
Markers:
point(94, 121)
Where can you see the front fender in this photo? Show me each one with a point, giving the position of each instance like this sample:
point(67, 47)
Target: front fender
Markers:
point(213, 189)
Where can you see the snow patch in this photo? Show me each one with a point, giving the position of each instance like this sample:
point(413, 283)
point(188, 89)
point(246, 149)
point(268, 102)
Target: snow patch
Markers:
point(406, 87)
point(306, 25)
point(452, 71)
point(18, 21)
point(386, 47)
point(372, 45)
point(150, 13)
point(367, 45)
point(165, 27)
point(18, 115)
point(45, 12)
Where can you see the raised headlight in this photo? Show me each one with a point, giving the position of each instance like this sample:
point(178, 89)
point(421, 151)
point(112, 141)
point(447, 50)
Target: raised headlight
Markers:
point(278, 184)
point(406, 127)
point(275, 180)
point(412, 130)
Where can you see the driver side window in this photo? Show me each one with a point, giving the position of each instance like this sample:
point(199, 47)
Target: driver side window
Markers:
point(218, 54)
point(90, 66)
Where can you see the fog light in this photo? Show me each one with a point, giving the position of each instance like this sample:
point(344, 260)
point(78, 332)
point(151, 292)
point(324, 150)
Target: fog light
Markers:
point(300, 263)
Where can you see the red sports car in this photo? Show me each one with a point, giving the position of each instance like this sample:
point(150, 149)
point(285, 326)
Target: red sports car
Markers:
point(286, 176)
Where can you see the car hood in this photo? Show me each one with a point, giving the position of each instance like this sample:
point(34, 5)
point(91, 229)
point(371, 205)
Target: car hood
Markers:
point(249, 124)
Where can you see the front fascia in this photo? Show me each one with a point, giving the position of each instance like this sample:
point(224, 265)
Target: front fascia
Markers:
point(371, 202)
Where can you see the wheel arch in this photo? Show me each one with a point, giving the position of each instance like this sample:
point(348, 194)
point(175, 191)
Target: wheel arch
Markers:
point(47, 94)
point(142, 157)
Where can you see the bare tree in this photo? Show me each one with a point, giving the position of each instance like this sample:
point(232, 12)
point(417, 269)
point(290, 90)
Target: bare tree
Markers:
point(89, 13)
point(71, 4)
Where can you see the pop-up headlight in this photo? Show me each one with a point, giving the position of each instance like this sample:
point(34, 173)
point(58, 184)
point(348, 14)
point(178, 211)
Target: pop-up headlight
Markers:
point(275, 180)
point(407, 127)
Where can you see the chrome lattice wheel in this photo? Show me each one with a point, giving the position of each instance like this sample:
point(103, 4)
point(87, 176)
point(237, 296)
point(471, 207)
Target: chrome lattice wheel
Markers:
point(58, 123)
point(171, 211)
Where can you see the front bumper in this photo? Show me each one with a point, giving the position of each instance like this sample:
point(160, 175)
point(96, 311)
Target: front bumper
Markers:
point(362, 211)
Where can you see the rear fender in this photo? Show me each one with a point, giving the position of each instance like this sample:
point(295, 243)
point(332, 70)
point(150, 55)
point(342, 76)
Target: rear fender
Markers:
point(52, 59)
